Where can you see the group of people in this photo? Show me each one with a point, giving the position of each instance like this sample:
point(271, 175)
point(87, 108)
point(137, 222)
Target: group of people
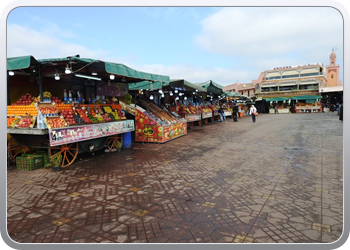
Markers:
point(252, 112)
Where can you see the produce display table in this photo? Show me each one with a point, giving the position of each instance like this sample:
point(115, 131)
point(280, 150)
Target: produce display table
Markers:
point(228, 113)
point(308, 109)
point(280, 111)
point(68, 141)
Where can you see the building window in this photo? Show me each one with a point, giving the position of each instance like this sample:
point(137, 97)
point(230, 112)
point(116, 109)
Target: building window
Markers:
point(331, 76)
point(290, 76)
point(310, 74)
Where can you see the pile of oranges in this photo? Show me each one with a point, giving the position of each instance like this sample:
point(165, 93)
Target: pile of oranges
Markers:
point(10, 120)
point(22, 110)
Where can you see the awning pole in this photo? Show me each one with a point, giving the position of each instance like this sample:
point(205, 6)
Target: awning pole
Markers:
point(40, 84)
point(8, 90)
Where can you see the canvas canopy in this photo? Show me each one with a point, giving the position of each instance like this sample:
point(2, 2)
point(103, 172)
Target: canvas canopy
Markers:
point(276, 99)
point(145, 85)
point(184, 85)
point(212, 87)
point(307, 97)
point(21, 62)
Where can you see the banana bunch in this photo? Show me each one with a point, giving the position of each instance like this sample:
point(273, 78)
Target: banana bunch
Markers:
point(47, 94)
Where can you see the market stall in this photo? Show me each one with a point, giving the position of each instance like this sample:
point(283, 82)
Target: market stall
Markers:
point(74, 110)
point(184, 98)
point(214, 91)
point(307, 104)
point(281, 103)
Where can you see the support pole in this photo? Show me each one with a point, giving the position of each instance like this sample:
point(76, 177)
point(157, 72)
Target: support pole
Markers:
point(8, 90)
point(40, 84)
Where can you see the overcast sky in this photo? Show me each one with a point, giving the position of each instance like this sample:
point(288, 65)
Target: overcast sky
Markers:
point(226, 45)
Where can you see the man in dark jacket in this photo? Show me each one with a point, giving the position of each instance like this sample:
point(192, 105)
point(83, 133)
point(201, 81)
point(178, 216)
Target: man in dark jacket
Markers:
point(234, 112)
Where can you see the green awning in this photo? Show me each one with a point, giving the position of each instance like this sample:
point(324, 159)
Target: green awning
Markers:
point(212, 87)
point(110, 68)
point(185, 85)
point(145, 85)
point(276, 99)
point(307, 97)
point(231, 94)
point(21, 62)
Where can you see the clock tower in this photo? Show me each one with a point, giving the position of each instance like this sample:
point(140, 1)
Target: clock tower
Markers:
point(333, 71)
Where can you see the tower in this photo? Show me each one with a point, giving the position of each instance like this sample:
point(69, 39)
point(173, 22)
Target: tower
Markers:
point(333, 71)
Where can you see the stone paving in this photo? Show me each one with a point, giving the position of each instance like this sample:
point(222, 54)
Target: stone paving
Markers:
point(274, 181)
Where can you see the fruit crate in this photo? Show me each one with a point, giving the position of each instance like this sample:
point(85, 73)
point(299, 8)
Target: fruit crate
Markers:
point(47, 105)
point(31, 162)
point(40, 153)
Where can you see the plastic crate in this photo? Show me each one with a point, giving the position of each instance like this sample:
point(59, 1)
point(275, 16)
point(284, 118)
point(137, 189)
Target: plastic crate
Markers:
point(29, 162)
point(39, 153)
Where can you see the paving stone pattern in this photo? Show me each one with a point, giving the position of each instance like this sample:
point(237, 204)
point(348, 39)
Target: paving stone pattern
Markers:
point(274, 181)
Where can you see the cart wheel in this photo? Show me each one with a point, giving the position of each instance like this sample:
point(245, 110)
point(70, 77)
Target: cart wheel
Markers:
point(70, 152)
point(113, 139)
point(191, 125)
point(200, 122)
point(206, 121)
point(15, 149)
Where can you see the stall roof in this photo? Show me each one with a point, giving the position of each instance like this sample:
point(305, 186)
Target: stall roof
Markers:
point(306, 97)
point(212, 87)
point(276, 99)
point(111, 68)
point(231, 94)
point(20, 62)
point(145, 85)
point(185, 84)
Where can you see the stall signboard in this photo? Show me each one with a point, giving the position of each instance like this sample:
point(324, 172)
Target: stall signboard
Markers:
point(193, 117)
point(147, 130)
point(207, 115)
point(59, 136)
point(227, 113)
point(215, 113)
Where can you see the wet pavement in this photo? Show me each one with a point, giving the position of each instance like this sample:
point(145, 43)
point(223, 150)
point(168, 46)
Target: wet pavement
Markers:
point(276, 180)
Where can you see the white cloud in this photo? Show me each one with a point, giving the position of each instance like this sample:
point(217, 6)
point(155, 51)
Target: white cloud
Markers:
point(195, 74)
point(257, 32)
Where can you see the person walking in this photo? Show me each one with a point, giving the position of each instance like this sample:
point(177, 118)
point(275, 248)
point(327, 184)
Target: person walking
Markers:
point(222, 114)
point(276, 109)
point(252, 111)
point(341, 113)
point(234, 112)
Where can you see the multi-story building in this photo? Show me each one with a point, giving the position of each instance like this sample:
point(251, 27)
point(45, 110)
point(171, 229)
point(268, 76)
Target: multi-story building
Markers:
point(305, 79)
point(245, 89)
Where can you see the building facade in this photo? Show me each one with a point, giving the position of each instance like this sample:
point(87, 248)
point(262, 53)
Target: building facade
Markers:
point(245, 89)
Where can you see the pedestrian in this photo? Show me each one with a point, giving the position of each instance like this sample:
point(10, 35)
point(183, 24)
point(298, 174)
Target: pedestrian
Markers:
point(252, 112)
point(276, 109)
point(222, 114)
point(234, 112)
point(341, 113)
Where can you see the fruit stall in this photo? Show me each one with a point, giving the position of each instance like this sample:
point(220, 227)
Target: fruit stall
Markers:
point(307, 103)
point(154, 124)
point(62, 126)
point(206, 113)
point(191, 114)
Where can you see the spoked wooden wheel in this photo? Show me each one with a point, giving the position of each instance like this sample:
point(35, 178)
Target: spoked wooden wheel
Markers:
point(16, 149)
point(206, 121)
point(112, 141)
point(200, 123)
point(69, 153)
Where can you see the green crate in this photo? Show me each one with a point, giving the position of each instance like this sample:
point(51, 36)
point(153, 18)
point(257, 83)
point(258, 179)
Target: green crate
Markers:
point(41, 153)
point(29, 162)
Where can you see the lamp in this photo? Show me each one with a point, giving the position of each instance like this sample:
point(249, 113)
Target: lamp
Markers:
point(68, 70)
point(177, 98)
point(176, 91)
point(160, 91)
point(171, 93)
point(151, 97)
point(11, 73)
point(57, 76)
point(111, 77)
point(185, 98)
point(94, 73)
